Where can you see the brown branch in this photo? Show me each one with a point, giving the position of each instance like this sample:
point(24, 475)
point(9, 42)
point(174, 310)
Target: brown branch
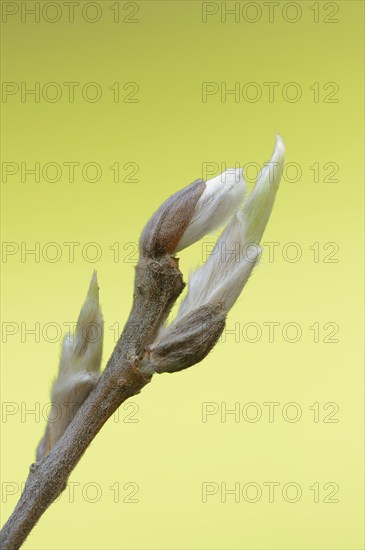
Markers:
point(157, 285)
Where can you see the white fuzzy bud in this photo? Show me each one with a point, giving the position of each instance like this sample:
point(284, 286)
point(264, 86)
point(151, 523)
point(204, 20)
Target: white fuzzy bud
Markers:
point(217, 284)
point(82, 352)
point(260, 202)
point(222, 196)
point(186, 343)
point(222, 278)
point(79, 369)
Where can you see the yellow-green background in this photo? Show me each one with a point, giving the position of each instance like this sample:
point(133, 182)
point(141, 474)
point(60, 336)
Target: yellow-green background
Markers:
point(169, 452)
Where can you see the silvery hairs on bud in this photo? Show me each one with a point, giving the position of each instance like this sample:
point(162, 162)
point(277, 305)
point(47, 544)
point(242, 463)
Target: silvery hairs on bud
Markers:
point(220, 281)
point(187, 342)
point(79, 369)
point(164, 229)
point(223, 276)
point(191, 213)
point(221, 197)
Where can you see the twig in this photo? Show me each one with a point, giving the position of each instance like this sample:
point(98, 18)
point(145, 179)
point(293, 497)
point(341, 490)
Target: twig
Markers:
point(157, 285)
point(147, 346)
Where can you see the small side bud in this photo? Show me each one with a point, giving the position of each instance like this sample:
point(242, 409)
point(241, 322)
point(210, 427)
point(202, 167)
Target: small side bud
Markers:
point(68, 394)
point(78, 371)
point(165, 228)
point(83, 350)
point(187, 342)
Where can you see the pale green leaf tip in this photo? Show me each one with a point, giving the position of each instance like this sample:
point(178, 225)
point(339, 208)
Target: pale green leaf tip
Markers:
point(93, 292)
point(259, 205)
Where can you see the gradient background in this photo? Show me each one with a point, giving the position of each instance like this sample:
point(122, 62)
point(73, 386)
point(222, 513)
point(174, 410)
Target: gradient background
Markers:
point(169, 133)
